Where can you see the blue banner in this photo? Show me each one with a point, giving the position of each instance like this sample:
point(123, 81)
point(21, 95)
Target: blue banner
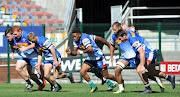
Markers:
point(38, 30)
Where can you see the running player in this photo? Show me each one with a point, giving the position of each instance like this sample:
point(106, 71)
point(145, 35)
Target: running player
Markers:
point(52, 60)
point(145, 58)
point(95, 57)
point(127, 56)
point(21, 65)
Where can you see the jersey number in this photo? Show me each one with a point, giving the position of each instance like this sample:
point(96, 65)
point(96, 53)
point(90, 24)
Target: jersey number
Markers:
point(133, 34)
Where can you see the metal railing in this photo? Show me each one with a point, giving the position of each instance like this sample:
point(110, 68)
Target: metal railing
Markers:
point(151, 16)
point(22, 10)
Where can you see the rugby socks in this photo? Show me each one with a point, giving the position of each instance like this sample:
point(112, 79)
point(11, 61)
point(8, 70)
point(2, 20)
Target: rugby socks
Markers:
point(68, 75)
point(109, 83)
point(56, 85)
point(147, 86)
point(168, 77)
point(157, 80)
point(39, 83)
point(28, 81)
point(121, 86)
point(91, 84)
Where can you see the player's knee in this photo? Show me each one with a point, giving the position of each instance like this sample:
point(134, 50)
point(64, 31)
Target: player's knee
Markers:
point(82, 72)
point(18, 68)
point(56, 76)
point(106, 76)
point(47, 76)
point(118, 69)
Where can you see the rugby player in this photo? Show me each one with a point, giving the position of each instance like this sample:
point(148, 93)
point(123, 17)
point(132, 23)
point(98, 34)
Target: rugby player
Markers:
point(95, 57)
point(21, 65)
point(145, 58)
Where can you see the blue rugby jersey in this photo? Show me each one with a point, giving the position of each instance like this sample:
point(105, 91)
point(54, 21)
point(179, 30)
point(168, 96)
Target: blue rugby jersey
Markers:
point(23, 41)
point(86, 41)
point(126, 49)
point(44, 45)
point(137, 41)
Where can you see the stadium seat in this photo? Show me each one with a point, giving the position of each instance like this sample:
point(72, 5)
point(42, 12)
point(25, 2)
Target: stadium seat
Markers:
point(18, 0)
point(59, 21)
point(8, 6)
point(27, 0)
point(48, 14)
point(36, 6)
point(9, 0)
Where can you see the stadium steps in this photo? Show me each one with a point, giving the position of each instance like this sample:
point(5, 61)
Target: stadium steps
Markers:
point(40, 15)
point(18, 1)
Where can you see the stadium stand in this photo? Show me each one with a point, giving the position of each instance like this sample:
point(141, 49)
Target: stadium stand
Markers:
point(40, 15)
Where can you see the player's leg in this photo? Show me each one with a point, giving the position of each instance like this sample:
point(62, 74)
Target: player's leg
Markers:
point(98, 74)
point(85, 67)
point(118, 69)
point(62, 75)
point(152, 71)
point(51, 79)
point(144, 78)
point(22, 71)
point(157, 80)
point(40, 71)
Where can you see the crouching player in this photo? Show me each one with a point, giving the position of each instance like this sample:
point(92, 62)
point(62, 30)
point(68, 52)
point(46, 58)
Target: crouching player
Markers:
point(145, 58)
point(27, 57)
point(52, 59)
point(95, 57)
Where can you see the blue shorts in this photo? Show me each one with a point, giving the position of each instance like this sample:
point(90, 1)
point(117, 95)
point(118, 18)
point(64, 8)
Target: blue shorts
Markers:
point(32, 62)
point(131, 61)
point(150, 57)
point(51, 61)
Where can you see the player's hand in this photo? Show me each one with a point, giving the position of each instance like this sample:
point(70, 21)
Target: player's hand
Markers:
point(56, 63)
point(68, 50)
point(22, 49)
point(124, 26)
point(78, 52)
point(12, 57)
point(141, 69)
point(116, 48)
point(37, 65)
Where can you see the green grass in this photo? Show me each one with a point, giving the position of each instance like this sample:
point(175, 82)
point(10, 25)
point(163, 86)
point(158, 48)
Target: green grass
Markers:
point(82, 90)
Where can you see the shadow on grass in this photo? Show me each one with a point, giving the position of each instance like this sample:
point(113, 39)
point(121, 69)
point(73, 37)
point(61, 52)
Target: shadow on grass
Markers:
point(46, 91)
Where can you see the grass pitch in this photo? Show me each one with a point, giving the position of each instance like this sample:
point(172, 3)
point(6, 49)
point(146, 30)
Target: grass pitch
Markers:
point(82, 90)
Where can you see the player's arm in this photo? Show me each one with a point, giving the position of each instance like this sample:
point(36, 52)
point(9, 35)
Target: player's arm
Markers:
point(12, 51)
point(139, 48)
point(39, 58)
point(88, 49)
point(98, 38)
point(54, 55)
point(112, 48)
point(23, 48)
point(73, 53)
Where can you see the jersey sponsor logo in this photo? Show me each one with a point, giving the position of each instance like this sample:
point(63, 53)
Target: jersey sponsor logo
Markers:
point(82, 47)
point(42, 48)
point(118, 41)
point(22, 44)
point(24, 39)
point(47, 43)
